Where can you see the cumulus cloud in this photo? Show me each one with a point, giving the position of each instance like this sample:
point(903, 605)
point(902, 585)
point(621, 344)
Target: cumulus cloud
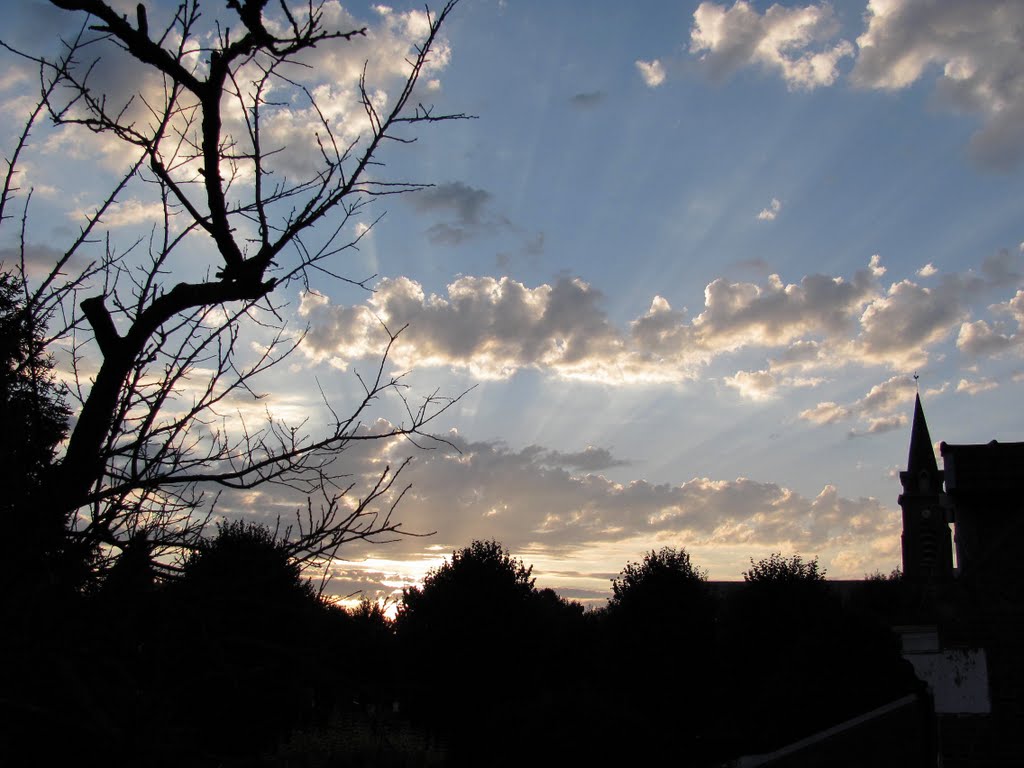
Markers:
point(882, 409)
point(980, 339)
point(765, 384)
point(797, 43)
point(493, 327)
point(385, 52)
point(290, 123)
point(776, 313)
point(898, 328)
point(881, 425)
point(753, 385)
point(124, 213)
point(975, 47)
point(652, 72)
point(530, 502)
point(976, 387)
point(769, 213)
point(826, 413)
point(892, 394)
point(928, 270)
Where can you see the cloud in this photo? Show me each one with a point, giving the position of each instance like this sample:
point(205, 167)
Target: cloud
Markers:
point(976, 387)
point(765, 384)
point(826, 413)
point(40, 261)
point(494, 327)
point(795, 43)
point(803, 354)
point(587, 99)
point(590, 459)
point(528, 501)
point(124, 213)
point(928, 270)
point(769, 213)
point(898, 328)
point(465, 201)
point(291, 126)
point(883, 408)
point(1003, 267)
point(976, 49)
point(980, 339)
point(972, 50)
point(652, 72)
point(881, 425)
point(776, 313)
point(467, 205)
point(753, 385)
point(534, 246)
point(892, 394)
point(490, 327)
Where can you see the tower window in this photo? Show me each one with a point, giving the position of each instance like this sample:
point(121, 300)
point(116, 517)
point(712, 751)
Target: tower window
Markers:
point(929, 548)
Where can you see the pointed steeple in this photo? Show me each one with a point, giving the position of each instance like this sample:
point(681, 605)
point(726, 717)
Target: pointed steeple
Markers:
point(926, 541)
point(922, 455)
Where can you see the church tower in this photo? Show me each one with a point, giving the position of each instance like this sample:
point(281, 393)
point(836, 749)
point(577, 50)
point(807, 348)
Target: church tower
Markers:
point(927, 544)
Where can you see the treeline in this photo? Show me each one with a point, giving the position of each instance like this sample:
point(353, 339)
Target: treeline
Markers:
point(213, 667)
point(673, 669)
point(238, 661)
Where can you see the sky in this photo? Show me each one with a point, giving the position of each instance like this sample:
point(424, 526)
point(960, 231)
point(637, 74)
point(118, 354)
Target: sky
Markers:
point(683, 266)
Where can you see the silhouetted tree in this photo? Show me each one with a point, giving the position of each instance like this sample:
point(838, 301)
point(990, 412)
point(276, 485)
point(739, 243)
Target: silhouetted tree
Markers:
point(801, 661)
point(141, 452)
point(33, 421)
point(660, 579)
point(786, 591)
point(153, 344)
point(469, 607)
point(267, 642)
point(369, 638)
point(39, 609)
point(475, 581)
point(888, 598)
point(896, 574)
point(661, 635)
point(245, 562)
point(776, 569)
point(487, 655)
point(663, 601)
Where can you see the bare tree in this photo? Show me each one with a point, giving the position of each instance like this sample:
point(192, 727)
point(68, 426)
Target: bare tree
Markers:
point(150, 436)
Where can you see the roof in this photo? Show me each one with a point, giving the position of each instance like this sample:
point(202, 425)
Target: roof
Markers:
point(989, 468)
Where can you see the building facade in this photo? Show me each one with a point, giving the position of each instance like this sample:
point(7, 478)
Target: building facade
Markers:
point(965, 637)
